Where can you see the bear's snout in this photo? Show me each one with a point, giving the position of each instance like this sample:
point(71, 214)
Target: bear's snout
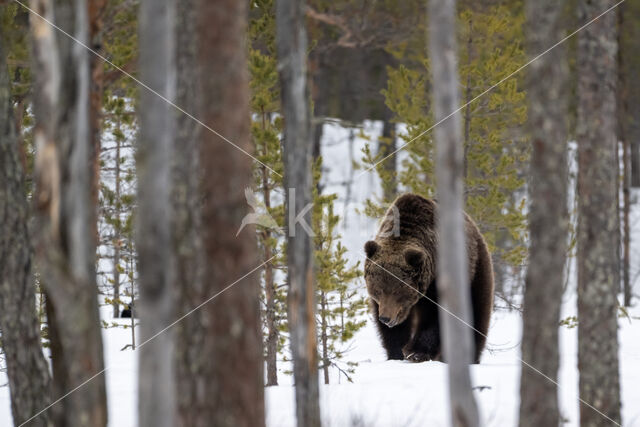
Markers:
point(385, 320)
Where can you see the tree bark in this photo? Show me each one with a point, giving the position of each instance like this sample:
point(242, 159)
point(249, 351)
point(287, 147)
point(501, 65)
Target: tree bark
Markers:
point(96, 9)
point(221, 373)
point(117, 238)
point(156, 399)
point(626, 123)
point(453, 274)
point(599, 382)
point(291, 40)
point(189, 285)
point(629, 90)
point(66, 243)
point(548, 215)
point(27, 369)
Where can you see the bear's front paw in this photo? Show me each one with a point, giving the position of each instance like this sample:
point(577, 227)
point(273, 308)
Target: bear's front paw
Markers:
point(417, 357)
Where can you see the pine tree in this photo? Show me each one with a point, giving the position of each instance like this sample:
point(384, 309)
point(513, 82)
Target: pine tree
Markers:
point(117, 184)
point(265, 132)
point(341, 309)
point(117, 201)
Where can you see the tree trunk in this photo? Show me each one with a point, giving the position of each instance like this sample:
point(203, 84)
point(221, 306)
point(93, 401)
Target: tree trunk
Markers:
point(453, 275)
point(117, 238)
point(27, 369)
point(226, 330)
point(626, 123)
point(96, 10)
point(291, 40)
point(387, 147)
point(189, 286)
point(467, 112)
point(597, 173)
point(324, 338)
point(156, 390)
point(629, 91)
point(626, 263)
point(66, 246)
point(548, 215)
point(270, 290)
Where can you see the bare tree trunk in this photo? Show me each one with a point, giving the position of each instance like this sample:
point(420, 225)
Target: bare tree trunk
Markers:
point(548, 215)
point(291, 40)
point(27, 369)
point(66, 246)
point(189, 286)
point(117, 238)
point(597, 288)
point(453, 274)
point(626, 286)
point(467, 116)
point(221, 370)
point(625, 123)
point(387, 147)
point(156, 63)
point(96, 10)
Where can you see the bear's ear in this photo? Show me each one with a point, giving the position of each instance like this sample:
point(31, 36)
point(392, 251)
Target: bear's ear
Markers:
point(414, 257)
point(370, 248)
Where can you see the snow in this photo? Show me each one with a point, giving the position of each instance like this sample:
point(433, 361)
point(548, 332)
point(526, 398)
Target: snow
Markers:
point(395, 393)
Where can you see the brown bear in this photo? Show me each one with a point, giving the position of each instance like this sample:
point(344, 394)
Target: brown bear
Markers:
point(400, 271)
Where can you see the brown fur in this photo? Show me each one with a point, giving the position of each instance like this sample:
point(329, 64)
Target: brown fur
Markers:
point(400, 271)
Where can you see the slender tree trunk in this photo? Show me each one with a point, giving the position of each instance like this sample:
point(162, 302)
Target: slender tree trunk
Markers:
point(597, 288)
point(117, 238)
point(156, 398)
point(387, 146)
point(323, 337)
point(230, 391)
point(272, 327)
point(66, 246)
point(624, 125)
point(548, 215)
point(133, 308)
point(27, 369)
point(453, 275)
point(626, 264)
point(270, 291)
point(467, 112)
point(291, 40)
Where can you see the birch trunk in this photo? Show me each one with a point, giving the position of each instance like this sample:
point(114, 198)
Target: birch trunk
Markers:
point(27, 369)
point(453, 275)
point(548, 216)
point(599, 382)
point(156, 399)
point(66, 242)
point(291, 40)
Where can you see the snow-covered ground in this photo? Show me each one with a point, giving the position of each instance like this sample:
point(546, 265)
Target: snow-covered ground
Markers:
point(394, 393)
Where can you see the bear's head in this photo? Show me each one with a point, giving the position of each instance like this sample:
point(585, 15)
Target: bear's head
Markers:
point(396, 277)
